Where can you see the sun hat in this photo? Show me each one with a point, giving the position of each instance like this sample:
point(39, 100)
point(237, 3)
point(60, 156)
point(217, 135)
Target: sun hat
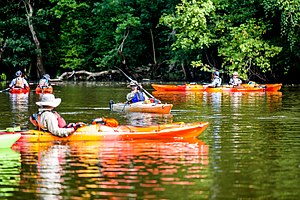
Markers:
point(235, 74)
point(18, 73)
point(216, 73)
point(46, 76)
point(133, 83)
point(49, 100)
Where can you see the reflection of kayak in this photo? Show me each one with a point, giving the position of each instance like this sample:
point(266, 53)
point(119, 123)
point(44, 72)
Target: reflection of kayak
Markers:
point(196, 87)
point(100, 132)
point(184, 87)
point(19, 90)
point(158, 108)
point(7, 140)
point(48, 89)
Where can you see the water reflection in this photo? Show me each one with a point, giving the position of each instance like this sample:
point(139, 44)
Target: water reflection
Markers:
point(147, 119)
point(19, 109)
point(10, 166)
point(131, 169)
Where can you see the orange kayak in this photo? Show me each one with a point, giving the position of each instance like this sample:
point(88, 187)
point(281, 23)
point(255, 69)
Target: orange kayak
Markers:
point(267, 87)
point(48, 89)
point(184, 87)
point(179, 131)
point(19, 90)
point(158, 108)
point(196, 87)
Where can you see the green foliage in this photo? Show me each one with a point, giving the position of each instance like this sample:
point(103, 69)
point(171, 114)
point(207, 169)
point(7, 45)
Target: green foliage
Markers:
point(245, 51)
point(3, 77)
point(189, 24)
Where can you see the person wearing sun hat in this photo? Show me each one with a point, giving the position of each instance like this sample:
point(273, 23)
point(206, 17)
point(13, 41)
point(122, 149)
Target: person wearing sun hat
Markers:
point(216, 80)
point(234, 80)
point(49, 120)
point(136, 94)
point(19, 81)
point(44, 81)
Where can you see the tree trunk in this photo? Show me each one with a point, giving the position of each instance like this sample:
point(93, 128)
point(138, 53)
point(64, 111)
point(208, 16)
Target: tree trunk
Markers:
point(40, 70)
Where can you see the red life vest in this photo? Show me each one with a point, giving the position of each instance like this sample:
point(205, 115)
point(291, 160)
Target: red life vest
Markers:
point(35, 119)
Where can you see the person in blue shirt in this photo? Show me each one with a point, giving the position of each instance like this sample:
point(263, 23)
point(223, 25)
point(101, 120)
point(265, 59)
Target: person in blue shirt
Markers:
point(136, 93)
point(216, 81)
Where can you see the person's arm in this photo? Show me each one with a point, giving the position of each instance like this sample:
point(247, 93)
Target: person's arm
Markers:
point(12, 83)
point(49, 121)
point(130, 95)
point(25, 83)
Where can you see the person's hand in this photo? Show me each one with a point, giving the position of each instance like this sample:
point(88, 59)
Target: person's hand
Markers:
point(75, 126)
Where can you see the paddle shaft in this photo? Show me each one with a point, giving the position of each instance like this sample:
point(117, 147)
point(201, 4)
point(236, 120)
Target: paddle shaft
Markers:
point(136, 83)
point(5, 90)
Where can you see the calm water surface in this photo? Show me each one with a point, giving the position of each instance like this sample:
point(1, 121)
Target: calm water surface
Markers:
point(249, 151)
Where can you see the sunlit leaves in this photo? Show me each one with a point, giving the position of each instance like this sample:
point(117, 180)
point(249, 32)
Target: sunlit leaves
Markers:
point(245, 51)
point(189, 23)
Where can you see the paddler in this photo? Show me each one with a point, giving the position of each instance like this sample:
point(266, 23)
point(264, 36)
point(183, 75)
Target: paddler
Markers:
point(48, 119)
point(136, 93)
point(19, 81)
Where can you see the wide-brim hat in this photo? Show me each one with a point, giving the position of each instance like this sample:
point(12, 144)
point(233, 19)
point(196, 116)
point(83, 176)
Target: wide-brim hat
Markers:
point(49, 100)
point(18, 73)
point(46, 76)
point(133, 83)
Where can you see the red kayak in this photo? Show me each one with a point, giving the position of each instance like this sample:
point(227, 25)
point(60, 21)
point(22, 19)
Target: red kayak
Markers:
point(19, 90)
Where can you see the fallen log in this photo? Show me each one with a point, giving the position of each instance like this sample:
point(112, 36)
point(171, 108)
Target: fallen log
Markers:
point(84, 75)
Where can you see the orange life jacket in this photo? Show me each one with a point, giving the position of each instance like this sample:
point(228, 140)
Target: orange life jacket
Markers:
point(19, 82)
point(35, 119)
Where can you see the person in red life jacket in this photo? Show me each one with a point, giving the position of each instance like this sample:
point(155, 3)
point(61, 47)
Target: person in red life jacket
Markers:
point(19, 81)
point(136, 94)
point(49, 120)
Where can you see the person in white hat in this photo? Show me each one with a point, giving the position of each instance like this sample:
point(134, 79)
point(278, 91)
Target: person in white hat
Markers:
point(136, 94)
point(44, 81)
point(49, 120)
point(234, 80)
point(19, 81)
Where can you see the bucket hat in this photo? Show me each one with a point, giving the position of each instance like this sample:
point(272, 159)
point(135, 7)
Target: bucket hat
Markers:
point(49, 100)
point(18, 73)
point(46, 76)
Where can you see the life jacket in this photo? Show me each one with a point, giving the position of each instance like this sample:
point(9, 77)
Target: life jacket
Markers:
point(19, 82)
point(138, 96)
point(35, 119)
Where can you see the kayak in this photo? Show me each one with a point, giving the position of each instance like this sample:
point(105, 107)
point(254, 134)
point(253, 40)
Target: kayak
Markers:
point(8, 139)
point(48, 89)
point(234, 89)
point(179, 131)
point(267, 87)
point(184, 87)
point(225, 88)
point(142, 106)
point(19, 90)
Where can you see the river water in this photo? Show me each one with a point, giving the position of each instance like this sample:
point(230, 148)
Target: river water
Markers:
point(250, 150)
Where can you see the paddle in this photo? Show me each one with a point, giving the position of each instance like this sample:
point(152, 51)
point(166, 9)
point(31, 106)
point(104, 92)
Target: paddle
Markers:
point(5, 90)
point(11, 129)
point(138, 85)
